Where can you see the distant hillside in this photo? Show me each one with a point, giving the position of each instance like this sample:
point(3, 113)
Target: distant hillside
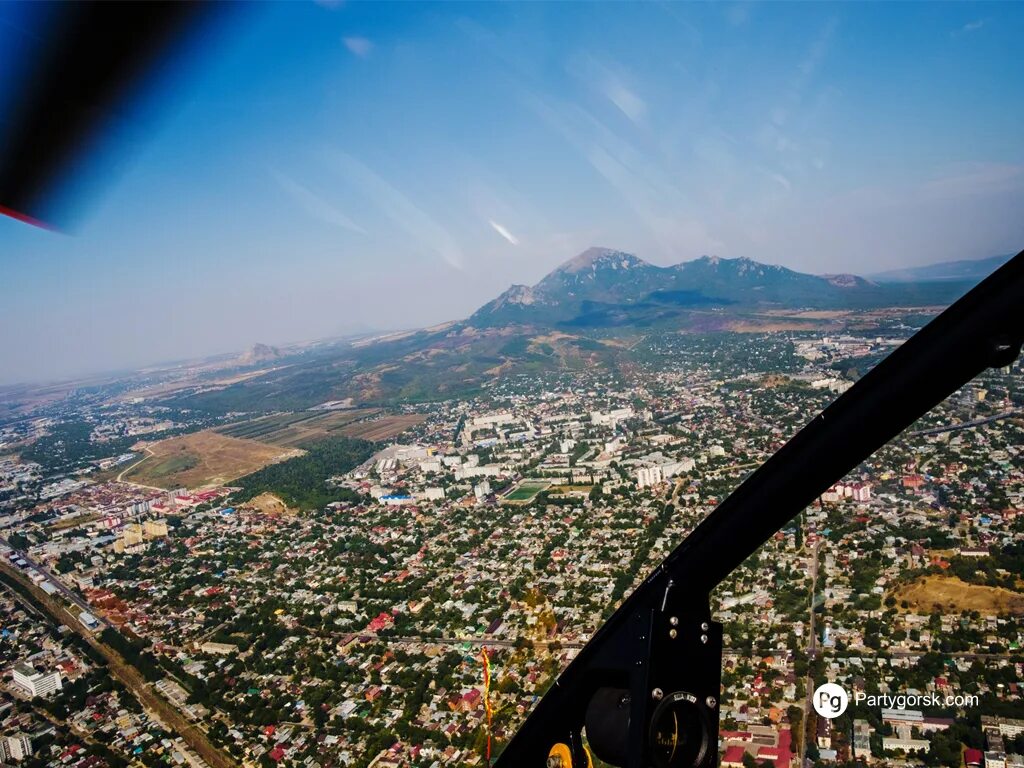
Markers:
point(585, 314)
point(259, 353)
point(965, 269)
point(608, 288)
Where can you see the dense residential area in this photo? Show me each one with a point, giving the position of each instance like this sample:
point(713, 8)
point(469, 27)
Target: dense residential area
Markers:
point(333, 607)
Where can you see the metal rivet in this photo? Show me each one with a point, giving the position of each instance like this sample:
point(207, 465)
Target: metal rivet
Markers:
point(703, 638)
point(704, 627)
point(657, 694)
point(674, 621)
point(673, 634)
point(710, 701)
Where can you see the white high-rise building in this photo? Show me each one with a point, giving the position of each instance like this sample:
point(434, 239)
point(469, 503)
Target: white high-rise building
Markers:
point(648, 476)
point(19, 746)
point(36, 683)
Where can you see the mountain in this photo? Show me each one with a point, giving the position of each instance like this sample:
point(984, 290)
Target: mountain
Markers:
point(584, 315)
point(965, 269)
point(259, 353)
point(603, 287)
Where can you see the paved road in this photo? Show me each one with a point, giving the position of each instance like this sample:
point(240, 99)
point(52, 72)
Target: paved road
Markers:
point(812, 650)
point(126, 470)
point(62, 588)
point(964, 424)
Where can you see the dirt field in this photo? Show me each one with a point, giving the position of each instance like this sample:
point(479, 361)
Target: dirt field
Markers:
point(203, 458)
point(584, 489)
point(771, 326)
point(950, 594)
point(383, 428)
point(74, 522)
point(295, 430)
point(268, 504)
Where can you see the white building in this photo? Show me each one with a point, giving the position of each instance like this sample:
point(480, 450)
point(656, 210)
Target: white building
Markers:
point(648, 476)
point(907, 745)
point(36, 683)
point(17, 746)
point(662, 471)
point(611, 418)
point(614, 446)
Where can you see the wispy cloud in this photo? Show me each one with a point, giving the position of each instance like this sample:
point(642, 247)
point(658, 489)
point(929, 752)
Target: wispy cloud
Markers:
point(974, 179)
point(315, 205)
point(631, 105)
point(503, 232)
point(399, 208)
point(972, 26)
point(638, 176)
point(607, 81)
point(358, 46)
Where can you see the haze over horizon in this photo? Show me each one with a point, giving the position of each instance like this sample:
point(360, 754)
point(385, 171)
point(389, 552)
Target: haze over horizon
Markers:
point(329, 168)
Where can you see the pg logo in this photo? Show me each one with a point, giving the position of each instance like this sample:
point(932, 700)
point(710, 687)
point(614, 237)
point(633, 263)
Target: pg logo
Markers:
point(830, 700)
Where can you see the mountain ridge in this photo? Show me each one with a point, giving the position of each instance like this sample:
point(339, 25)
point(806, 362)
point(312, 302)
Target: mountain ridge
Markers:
point(609, 286)
point(960, 269)
point(581, 315)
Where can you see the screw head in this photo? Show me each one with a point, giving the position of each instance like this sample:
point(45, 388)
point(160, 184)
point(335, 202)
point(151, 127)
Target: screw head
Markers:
point(710, 701)
point(674, 621)
point(704, 626)
point(657, 694)
point(704, 638)
point(673, 634)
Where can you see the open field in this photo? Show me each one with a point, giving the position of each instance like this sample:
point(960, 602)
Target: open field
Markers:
point(584, 489)
point(202, 458)
point(74, 522)
point(949, 594)
point(383, 428)
point(295, 430)
point(188, 382)
point(525, 491)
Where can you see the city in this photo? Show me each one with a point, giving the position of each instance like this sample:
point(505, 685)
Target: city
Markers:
point(511, 384)
point(289, 631)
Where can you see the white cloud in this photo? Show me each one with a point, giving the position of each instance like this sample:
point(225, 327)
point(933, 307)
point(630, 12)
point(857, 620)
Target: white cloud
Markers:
point(400, 209)
point(631, 105)
point(503, 232)
point(609, 81)
point(359, 46)
point(973, 26)
point(314, 205)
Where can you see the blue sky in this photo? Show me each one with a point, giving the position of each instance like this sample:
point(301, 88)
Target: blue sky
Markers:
point(325, 168)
